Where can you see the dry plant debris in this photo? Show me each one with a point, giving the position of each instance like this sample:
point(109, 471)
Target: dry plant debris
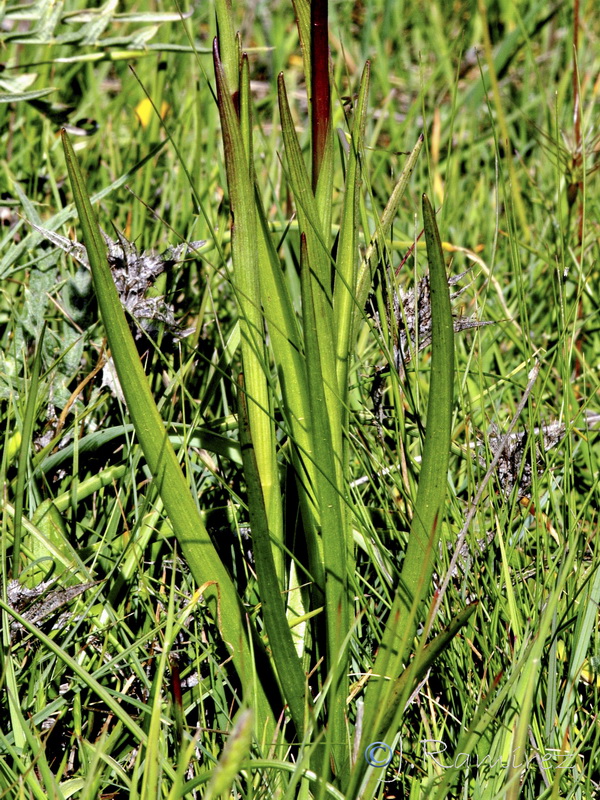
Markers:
point(134, 273)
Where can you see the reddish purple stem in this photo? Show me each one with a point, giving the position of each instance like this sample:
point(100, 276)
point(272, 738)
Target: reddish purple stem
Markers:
point(321, 90)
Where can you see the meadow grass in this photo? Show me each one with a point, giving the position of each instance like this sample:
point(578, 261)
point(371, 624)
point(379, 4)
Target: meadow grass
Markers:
point(315, 486)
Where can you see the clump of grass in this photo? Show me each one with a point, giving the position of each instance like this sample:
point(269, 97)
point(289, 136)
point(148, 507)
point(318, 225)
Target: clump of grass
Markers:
point(323, 544)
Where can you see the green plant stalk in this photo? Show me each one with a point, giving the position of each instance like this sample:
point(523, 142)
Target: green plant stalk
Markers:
point(28, 423)
point(188, 527)
point(320, 98)
point(514, 180)
point(240, 180)
point(421, 551)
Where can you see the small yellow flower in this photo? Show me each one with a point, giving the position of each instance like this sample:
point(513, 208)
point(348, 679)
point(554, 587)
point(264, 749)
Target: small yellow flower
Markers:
point(144, 111)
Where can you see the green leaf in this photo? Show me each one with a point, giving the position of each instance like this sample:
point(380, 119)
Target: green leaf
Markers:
point(289, 668)
point(198, 549)
point(344, 301)
point(333, 521)
point(319, 262)
point(427, 520)
point(415, 672)
point(288, 351)
point(410, 598)
point(28, 422)
point(233, 756)
point(308, 212)
point(376, 247)
point(302, 15)
point(228, 50)
point(244, 251)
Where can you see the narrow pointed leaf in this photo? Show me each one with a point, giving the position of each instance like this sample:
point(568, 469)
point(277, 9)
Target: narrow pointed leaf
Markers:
point(281, 645)
point(28, 422)
point(333, 520)
point(244, 251)
point(198, 549)
point(346, 265)
point(320, 265)
point(376, 247)
point(227, 44)
point(422, 547)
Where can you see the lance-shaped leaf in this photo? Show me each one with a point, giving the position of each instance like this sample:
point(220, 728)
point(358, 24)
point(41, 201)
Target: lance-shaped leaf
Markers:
point(288, 351)
point(244, 250)
point(421, 551)
point(376, 246)
point(344, 299)
point(228, 44)
point(320, 266)
point(28, 422)
point(333, 519)
point(289, 668)
point(188, 526)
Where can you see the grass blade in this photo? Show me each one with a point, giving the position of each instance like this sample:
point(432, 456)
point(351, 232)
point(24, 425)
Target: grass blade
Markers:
point(28, 422)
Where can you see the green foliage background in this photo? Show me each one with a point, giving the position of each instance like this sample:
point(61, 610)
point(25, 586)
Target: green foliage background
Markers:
point(90, 706)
